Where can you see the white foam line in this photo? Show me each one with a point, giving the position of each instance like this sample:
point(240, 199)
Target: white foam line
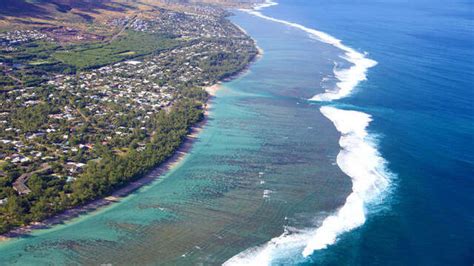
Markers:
point(265, 5)
point(358, 158)
point(361, 161)
point(348, 78)
point(278, 247)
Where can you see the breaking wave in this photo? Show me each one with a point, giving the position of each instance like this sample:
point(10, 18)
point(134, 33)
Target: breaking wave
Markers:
point(358, 158)
point(348, 78)
point(361, 161)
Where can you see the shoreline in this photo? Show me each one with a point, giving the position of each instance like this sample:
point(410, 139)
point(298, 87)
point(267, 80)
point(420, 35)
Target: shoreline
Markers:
point(259, 49)
point(177, 157)
point(161, 169)
point(95, 205)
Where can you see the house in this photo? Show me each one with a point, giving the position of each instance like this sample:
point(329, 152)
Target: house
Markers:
point(3, 201)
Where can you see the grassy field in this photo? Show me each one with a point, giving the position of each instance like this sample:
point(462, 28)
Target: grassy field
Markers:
point(40, 62)
point(32, 60)
point(34, 51)
point(131, 45)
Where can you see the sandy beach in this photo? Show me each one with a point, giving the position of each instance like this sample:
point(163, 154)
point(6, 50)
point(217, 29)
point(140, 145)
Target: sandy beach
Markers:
point(116, 196)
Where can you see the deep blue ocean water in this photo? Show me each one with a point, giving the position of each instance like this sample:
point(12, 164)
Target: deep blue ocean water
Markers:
point(420, 96)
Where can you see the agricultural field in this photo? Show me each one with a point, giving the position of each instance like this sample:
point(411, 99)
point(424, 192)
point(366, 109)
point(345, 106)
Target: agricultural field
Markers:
point(131, 44)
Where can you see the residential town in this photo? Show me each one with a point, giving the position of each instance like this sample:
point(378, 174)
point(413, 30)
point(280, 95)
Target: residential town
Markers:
point(51, 131)
point(12, 38)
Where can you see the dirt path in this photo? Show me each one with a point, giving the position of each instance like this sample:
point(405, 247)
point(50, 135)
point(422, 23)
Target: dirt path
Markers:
point(115, 36)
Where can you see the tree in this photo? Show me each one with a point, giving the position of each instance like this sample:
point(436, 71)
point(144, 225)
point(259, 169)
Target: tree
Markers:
point(17, 207)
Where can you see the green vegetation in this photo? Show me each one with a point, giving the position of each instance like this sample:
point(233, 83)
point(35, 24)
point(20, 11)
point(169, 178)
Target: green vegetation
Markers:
point(6, 83)
point(130, 45)
point(38, 58)
point(50, 195)
point(222, 65)
point(40, 62)
point(72, 131)
point(113, 171)
point(32, 51)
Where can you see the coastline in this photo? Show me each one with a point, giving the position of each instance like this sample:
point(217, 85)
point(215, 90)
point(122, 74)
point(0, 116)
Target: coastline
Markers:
point(172, 162)
point(177, 157)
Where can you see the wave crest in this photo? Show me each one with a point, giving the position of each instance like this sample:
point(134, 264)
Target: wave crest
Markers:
point(348, 78)
point(358, 158)
point(361, 161)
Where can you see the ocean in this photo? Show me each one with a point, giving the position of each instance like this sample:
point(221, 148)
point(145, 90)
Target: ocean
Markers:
point(348, 143)
point(416, 108)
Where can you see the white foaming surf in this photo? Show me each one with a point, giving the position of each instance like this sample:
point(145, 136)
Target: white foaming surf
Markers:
point(265, 5)
point(278, 247)
point(348, 78)
point(361, 161)
point(358, 158)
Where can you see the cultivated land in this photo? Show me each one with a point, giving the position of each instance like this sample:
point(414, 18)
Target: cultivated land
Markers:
point(94, 97)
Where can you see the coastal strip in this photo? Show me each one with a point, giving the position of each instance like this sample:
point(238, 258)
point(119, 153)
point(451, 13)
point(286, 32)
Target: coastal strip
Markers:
point(123, 192)
point(130, 112)
point(259, 49)
point(146, 70)
point(177, 157)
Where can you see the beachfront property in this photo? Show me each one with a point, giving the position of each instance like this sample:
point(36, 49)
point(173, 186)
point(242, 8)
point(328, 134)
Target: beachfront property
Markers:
point(53, 127)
